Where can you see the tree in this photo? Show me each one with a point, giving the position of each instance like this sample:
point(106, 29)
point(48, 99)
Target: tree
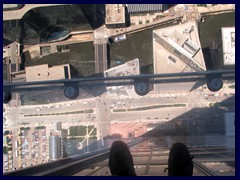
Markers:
point(40, 127)
point(5, 150)
point(6, 133)
point(8, 140)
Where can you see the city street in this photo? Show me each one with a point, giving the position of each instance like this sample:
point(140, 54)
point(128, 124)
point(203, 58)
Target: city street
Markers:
point(103, 108)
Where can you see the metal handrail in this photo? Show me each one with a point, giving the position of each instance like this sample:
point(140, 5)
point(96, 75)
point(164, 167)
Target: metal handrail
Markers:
point(120, 78)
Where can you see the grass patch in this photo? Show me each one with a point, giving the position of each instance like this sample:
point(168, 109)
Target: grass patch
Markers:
point(5, 150)
point(40, 127)
point(89, 111)
point(6, 133)
point(231, 86)
point(179, 105)
point(24, 128)
point(119, 110)
point(93, 129)
point(203, 5)
point(77, 131)
point(149, 107)
point(156, 107)
point(64, 113)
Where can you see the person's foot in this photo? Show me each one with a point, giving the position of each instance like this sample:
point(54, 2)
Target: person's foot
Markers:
point(120, 160)
point(180, 161)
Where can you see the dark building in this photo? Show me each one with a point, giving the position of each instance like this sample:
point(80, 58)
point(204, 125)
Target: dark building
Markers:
point(49, 23)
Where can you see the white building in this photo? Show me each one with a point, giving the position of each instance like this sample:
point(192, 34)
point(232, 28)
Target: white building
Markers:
point(127, 69)
point(228, 42)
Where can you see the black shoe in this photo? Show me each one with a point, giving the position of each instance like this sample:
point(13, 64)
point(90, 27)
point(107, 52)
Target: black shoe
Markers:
point(120, 160)
point(180, 161)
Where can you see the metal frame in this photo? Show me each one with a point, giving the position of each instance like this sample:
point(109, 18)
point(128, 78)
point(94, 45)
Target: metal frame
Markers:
point(105, 80)
point(68, 166)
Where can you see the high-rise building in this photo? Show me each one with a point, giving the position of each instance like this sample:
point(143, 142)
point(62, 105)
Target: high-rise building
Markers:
point(55, 147)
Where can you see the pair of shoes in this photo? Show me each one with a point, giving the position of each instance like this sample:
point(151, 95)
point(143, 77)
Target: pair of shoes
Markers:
point(120, 160)
point(180, 161)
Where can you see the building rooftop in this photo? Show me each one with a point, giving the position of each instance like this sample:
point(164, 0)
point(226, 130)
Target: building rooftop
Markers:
point(12, 51)
point(44, 72)
point(127, 69)
point(115, 14)
point(177, 49)
point(228, 41)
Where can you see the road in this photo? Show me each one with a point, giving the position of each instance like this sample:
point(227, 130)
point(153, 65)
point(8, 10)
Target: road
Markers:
point(101, 36)
point(100, 51)
point(103, 107)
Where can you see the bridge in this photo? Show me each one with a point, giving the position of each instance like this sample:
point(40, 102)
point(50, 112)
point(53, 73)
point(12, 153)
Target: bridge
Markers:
point(100, 49)
point(100, 58)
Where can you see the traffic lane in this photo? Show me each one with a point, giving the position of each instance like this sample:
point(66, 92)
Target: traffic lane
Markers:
point(56, 108)
point(219, 98)
point(13, 116)
point(90, 104)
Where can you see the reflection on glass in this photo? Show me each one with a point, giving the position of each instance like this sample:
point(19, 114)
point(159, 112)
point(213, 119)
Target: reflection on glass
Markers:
point(75, 82)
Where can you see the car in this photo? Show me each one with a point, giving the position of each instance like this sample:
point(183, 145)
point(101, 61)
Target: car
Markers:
point(120, 38)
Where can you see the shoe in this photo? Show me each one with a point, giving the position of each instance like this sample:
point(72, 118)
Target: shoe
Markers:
point(120, 160)
point(180, 161)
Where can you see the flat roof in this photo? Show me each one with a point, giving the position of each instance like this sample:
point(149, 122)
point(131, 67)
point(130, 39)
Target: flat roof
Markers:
point(126, 69)
point(168, 60)
point(44, 72)
point(115, 13)
point(175, 36)
point(228, 41)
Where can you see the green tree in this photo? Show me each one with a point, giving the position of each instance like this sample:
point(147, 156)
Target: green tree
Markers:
point(6, 133)
point(8, 140)
point(5, 150)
